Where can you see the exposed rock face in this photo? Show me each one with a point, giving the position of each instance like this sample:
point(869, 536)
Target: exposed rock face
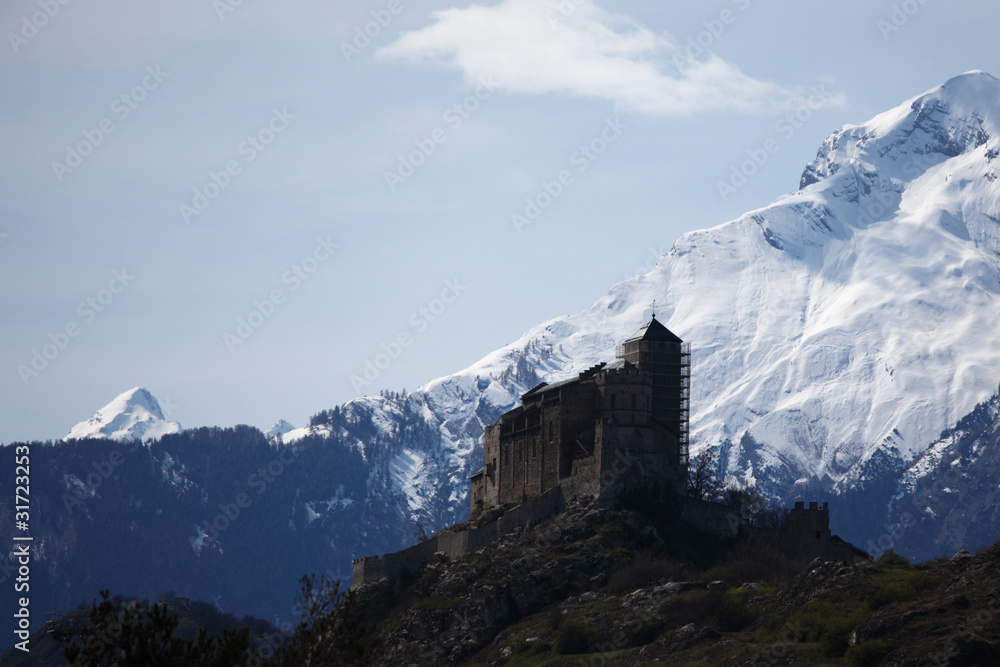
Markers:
point(461, 607)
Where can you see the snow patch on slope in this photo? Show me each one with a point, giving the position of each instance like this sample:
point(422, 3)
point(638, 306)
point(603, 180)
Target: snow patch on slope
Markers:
point(409, 474)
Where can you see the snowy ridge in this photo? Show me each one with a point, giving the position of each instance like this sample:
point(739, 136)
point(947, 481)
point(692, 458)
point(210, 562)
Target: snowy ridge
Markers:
point(854, 316)
point(133, 415)
point(948, 449)
point(948, 498)
point(281, 427)
point(428, 468)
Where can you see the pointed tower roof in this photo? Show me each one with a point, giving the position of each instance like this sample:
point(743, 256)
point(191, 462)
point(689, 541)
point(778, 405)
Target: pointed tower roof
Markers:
point(654, 331)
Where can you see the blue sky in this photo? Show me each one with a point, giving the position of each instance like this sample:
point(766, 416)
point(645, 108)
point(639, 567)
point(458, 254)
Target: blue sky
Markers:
point(240, 205)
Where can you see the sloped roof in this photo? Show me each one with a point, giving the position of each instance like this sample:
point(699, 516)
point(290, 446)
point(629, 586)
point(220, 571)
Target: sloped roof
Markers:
point(545, 387)
point(655, 331)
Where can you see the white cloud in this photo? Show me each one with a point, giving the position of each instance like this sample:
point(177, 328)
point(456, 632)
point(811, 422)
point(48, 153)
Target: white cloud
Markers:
point(537, 47)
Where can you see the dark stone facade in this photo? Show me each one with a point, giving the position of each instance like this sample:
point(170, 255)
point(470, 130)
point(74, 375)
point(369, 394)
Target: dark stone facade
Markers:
point(614, 427)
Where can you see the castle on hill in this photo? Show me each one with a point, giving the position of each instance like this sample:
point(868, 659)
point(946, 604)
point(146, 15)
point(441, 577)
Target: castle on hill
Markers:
point(614, 428)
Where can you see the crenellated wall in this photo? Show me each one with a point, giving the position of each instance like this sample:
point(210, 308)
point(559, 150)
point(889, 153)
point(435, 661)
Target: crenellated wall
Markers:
point(459, 543)
point(805, 534)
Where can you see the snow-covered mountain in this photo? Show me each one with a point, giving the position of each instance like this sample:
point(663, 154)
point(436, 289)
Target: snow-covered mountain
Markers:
point(948, 498)
point(132, 415)
point(843, 344)
point(280, 427)
point(847, 323)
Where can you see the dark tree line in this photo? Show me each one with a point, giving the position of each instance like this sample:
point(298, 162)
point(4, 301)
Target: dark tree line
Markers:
point(129, 633)
point(215, 513)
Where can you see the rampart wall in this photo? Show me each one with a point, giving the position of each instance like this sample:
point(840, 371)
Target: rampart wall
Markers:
point(458, 543)
point(806, 534)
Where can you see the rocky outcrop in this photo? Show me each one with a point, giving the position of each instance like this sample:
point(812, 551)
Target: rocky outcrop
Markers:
point(458, 608)
point(600, 586)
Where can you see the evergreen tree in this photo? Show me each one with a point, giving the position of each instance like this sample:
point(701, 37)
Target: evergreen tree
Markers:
point(134, 634)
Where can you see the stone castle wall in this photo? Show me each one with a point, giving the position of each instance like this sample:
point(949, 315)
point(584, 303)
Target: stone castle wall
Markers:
point(712, 518)
point(806, 534)
point(457, 544)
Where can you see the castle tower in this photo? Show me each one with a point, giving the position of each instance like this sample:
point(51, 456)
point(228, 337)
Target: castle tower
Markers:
point(667, 358)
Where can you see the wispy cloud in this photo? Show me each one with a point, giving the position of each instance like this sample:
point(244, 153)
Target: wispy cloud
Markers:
point(537, 47)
